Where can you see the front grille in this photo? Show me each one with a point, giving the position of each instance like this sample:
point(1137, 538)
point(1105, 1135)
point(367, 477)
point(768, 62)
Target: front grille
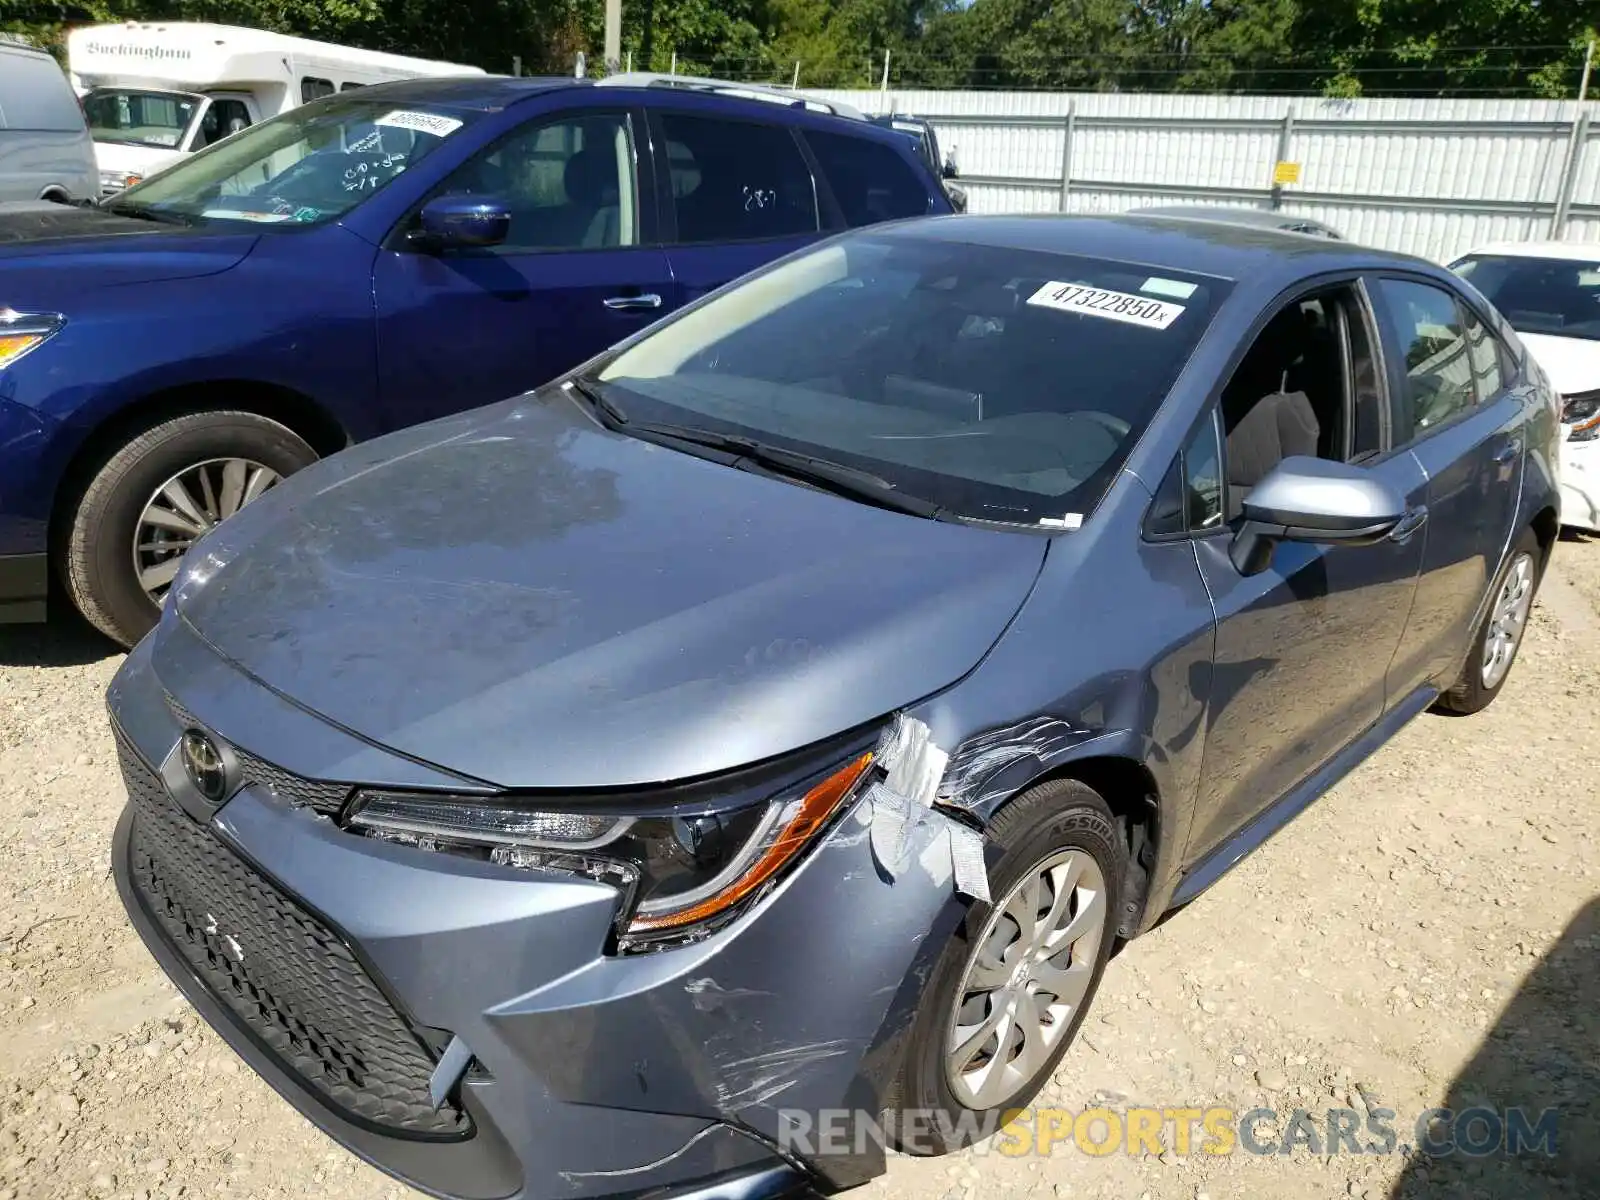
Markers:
point(326, 798)
point(290, 981)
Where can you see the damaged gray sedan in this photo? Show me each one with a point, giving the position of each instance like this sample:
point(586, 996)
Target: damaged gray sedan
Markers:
point(784, 716)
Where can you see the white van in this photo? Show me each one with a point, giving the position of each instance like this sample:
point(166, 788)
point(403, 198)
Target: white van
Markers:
point(154, 92)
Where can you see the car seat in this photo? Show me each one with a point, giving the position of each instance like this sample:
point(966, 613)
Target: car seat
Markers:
point(593, 216)
point(1264, 421)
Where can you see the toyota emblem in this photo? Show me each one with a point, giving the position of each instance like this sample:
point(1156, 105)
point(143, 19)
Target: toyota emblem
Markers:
point(202, 763)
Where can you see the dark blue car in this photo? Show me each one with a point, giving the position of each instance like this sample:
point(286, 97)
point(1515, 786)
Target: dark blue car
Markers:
point(363, 263)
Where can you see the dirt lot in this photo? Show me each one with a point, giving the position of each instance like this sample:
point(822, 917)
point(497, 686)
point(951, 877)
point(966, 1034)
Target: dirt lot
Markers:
point(1426, 935)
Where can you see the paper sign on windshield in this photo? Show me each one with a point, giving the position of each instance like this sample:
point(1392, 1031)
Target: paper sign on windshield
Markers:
point(1113, 306)
point(421, 122)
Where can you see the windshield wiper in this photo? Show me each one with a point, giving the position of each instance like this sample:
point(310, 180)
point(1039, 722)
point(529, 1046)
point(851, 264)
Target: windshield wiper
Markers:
point(793, 464)
point(145, 212)
point(610, 415)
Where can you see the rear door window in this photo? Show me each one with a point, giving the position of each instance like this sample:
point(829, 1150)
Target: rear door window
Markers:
point(1433, 351)
point(870, 181)
point(736, 181)
point(1487, 356)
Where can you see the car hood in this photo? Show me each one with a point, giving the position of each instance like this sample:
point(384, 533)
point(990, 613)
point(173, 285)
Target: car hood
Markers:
point(133, 160)
point(1573, 364)
point(520, 596)
point(70, 248)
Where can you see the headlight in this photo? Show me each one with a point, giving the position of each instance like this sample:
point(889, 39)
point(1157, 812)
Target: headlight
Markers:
point(1581, 414)
point(115, 181)
point(22, 332)
point(681, 874)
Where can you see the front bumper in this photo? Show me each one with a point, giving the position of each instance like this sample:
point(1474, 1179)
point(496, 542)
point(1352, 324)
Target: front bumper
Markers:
point(595, 1076)
point(1579, 469)
point(24, 583)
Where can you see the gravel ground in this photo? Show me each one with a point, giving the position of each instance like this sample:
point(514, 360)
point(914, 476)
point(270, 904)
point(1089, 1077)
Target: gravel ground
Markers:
point(1425, 935)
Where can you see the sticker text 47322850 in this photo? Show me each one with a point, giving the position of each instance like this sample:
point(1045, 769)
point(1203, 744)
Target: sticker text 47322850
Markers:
point(1113, 306)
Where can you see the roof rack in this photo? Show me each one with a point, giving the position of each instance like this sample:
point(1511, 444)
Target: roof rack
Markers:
point(723, 87)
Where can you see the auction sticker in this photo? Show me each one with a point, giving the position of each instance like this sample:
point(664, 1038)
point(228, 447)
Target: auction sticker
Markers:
point(1113, 306)
point(421, 122)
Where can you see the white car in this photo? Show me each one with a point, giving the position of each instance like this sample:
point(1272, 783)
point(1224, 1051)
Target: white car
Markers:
point(1550, 293)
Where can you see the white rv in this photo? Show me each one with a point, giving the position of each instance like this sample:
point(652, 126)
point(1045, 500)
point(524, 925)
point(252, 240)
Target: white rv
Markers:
point(154, 92)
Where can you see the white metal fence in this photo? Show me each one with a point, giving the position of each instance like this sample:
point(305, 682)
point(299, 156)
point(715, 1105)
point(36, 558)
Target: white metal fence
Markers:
point(1429, 177)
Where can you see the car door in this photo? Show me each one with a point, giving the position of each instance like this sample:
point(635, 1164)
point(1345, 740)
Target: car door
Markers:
point(734, 193)
point(1462, 418)
point(580, 269)
point(1303, 649)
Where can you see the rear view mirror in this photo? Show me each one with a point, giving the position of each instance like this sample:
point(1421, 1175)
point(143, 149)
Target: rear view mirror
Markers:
point(463, 221)
point(1313, 500)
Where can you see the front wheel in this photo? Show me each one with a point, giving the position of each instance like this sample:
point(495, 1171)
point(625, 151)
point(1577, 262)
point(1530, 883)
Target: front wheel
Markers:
point(1011, 988)
point(1499, 636)
point(154, 497)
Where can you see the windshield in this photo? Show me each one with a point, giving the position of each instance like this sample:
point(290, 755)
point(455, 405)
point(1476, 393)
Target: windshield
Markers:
point(1002, 385)
point(310, 165)
point(139, 118)
point(1539, 295)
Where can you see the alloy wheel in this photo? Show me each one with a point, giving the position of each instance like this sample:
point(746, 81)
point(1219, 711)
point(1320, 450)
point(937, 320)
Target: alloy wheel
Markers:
point(1026, 980)
point(1507, 620)
point(186, 506)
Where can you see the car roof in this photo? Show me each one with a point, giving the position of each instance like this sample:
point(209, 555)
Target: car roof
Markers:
point(1572, 251)
point(487, 93)
point(10, 41)
point(481, 93)
point(1223, 250)
point(1237, 216)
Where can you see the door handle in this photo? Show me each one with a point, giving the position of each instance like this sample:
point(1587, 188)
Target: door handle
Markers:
point(1414, 519)
point(648, 300)
point(1506, 453)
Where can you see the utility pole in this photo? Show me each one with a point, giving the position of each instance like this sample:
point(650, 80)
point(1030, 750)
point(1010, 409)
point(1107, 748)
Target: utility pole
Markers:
point(613, 36)
point(1575, 145)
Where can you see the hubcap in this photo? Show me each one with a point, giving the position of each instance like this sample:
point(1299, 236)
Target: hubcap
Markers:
point(186, 506)
point(1507, 620)
point(1026, 980)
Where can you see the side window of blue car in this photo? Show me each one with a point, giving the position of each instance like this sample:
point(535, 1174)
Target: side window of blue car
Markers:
point(569, 183)
point(869, 180)
point(1428, 327)
point(735, 181)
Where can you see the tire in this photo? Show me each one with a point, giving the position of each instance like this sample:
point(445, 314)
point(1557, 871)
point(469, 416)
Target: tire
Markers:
point(1058, 817)
point(97, 559)
point(1476, 687)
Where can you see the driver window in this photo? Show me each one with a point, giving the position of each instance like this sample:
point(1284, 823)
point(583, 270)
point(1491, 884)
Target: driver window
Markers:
point(569, 184)
point(1308, 385)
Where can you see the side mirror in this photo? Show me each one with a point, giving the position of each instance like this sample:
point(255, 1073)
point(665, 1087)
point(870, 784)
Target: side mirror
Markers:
point(1314, 500)
point(450, 222)
point(950, 171)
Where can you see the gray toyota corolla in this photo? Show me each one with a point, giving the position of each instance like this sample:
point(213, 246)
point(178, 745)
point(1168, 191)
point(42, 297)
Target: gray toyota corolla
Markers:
point(597, 793)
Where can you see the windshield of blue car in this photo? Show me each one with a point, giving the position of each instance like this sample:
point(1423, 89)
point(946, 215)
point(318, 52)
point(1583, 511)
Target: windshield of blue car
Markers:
point(1000, 384)
point(310, 165)
point(1559, 296)
point(135, 117)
